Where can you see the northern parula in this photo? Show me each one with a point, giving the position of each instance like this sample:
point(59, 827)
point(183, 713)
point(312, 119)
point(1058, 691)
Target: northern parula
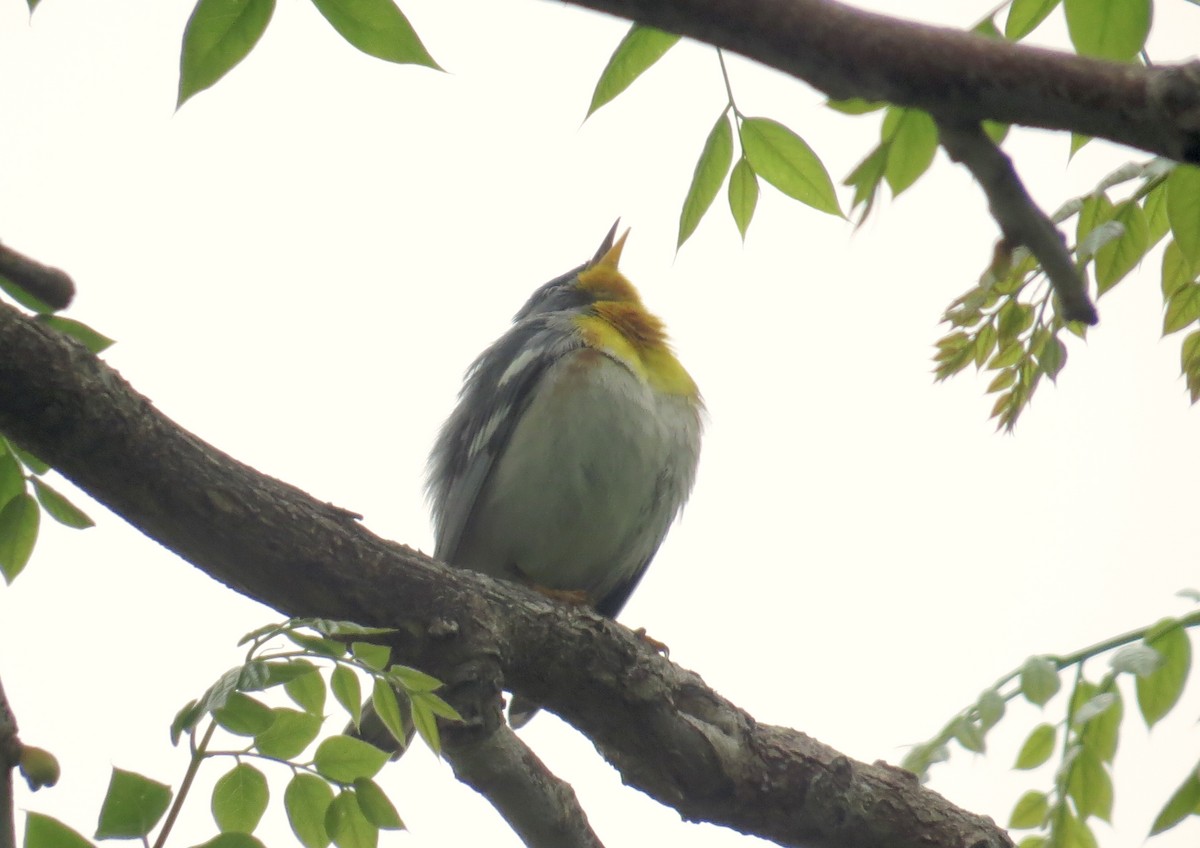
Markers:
point(573, 446)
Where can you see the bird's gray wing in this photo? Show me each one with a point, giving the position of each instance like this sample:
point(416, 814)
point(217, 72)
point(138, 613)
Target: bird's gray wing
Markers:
point(495, 393)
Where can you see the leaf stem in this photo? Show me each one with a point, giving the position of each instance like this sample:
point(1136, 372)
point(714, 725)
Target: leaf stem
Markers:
point(198, 754)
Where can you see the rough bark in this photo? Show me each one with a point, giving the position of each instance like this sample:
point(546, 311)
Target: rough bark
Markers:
point(668, 733)
point(957, 76)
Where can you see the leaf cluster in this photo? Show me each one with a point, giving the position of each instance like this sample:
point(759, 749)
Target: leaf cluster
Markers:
point(332, 795)
point(1082, 742)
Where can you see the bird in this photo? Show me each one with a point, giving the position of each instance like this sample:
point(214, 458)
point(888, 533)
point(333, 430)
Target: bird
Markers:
point(573, 446)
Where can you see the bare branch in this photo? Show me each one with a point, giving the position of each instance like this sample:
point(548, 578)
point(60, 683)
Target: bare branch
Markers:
point(666, 732)
point(49, 285)
point(959, 76)
point(541, 808)
point(1020, 219)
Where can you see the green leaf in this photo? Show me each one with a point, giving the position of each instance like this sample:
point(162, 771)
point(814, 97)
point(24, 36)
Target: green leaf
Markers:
point(1189, 354)
point(12, 477)
point(1074, 833)
point(233, 840)
point(912, 137)
point(985, 343)
point(1053, 358)
point(1182, 309)
point(348, 691)
point(641, 47)
point(1154, 204)
point(376, 806)
point(1002, 381)
point(24, 298)
point(436, 705)
point(990, 708)
point(969, 735)
point(743, 195)
point(1120, 256)
point(1177, 272)
point(317, 644)
point(1101, 730)
point(1108, 29)
point(1014, 318)
point(341, 629)
point(1184, 802)
point(132, 805)
point(46, 832)
point(784, 160)
point(1183, 210)
point(346, 824)
point(1159, 691)
point(1095, 210)
point(1025, 15)
point(377, 28)
point(19, 519)
point(1038, 747)
point(94, 341)
point(387, 707)
point(426, 723)
point(412, 680)
point(219, 34)
point(289, 734)
point(308, 691)
point(244, 716)
point(1090, 787)
point(59, 508)
point(371, 655)
point(185, 720)
point(711, 168)
point(1039, 680)
point(29, 460)
point(1137, 659)
point(256, 675)
point(286, 672)
point(1094, 706)
point(345, 759)
point(1030, 811)
point(855, 106)
point(239, 799)
point(306, 799)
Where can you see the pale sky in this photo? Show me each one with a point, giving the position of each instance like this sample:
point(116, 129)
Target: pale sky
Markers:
point(300, 263)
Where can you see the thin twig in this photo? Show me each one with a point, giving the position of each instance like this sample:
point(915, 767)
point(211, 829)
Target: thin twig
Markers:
point(1020, 219)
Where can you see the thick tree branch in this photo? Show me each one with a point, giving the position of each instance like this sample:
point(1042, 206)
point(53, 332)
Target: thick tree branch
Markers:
point(660, 725)
point(952, 74)
point(1020, 219)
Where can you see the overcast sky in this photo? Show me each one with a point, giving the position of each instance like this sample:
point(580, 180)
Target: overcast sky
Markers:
point(300, 263)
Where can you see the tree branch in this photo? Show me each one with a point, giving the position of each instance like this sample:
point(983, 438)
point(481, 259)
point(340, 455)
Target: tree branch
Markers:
point(956, 75)
point(1020, 219)
point(10, 756)
point(49, 285)
point(666, 732)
